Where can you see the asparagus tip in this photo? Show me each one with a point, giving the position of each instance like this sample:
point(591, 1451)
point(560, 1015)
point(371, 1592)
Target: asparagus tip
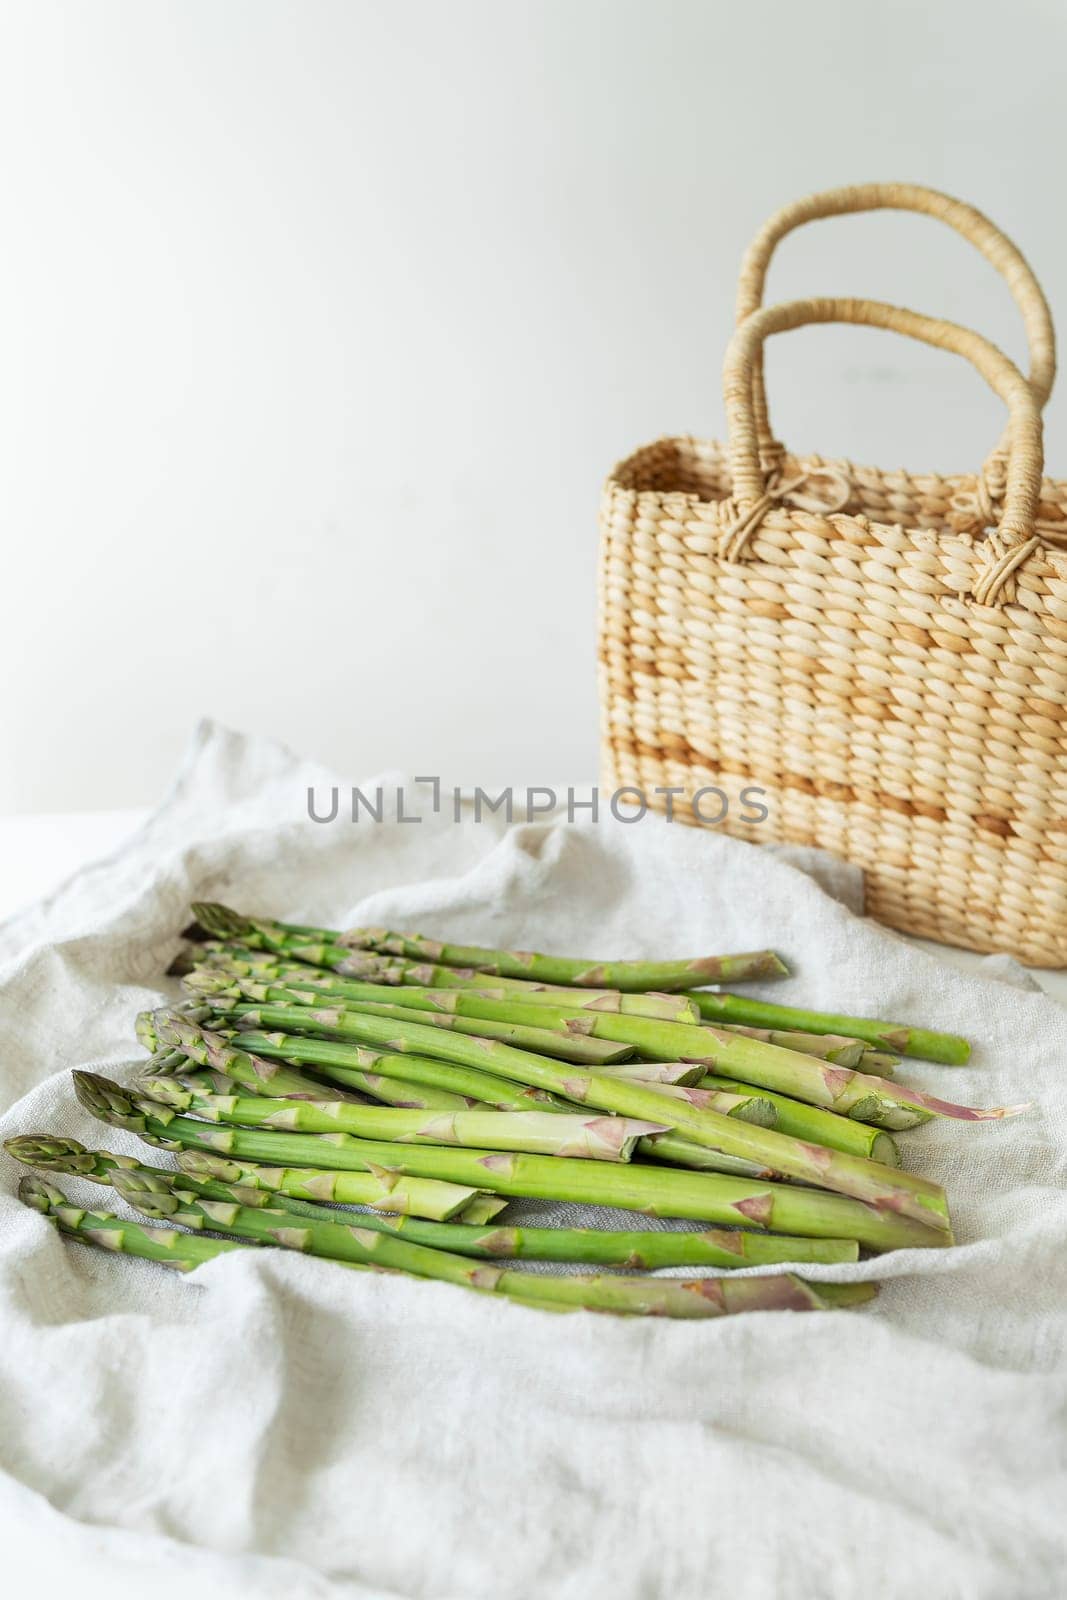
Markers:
point(107, 1101)
point(210, 980)
point(39, 1195)
point(149, 1192)
point(164, 1091)
point(50, 1152)
point(219, 921)
point(202, 1164)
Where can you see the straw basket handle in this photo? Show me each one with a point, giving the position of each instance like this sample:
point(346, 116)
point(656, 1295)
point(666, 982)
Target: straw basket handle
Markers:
point(755, 491)
point(970, 223)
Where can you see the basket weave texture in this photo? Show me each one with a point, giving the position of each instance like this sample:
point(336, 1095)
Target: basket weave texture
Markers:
point(884, 655)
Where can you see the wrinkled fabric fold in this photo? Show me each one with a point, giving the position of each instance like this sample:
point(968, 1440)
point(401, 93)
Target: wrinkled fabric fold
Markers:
point(275, 1426)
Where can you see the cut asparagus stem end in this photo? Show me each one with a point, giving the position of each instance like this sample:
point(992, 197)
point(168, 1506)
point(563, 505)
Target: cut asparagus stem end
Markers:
point(759, 1112)
point(884, 1148)
point(483, 1208)
point(838, 1295)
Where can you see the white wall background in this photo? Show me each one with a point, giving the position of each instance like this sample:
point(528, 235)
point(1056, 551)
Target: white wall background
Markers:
point(320, 324)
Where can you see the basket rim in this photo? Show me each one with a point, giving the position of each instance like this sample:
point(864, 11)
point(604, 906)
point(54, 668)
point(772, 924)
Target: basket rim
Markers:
point(713, 453)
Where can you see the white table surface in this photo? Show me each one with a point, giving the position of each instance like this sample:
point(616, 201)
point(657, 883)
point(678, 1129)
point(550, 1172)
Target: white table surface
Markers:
point(38, 852)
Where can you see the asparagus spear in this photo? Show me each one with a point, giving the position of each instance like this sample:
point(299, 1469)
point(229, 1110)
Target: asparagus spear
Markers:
point(842, 1050)
point(168, 1246)
point(99, 1166)
point(346, 1064)
point(377, 1186)
point(539, 1132)
point(857, 1094)
point(542, 1041)
point(395, 1195)
point(401, 1093)
point(258, 960)
point(394, 1091)
point(625, 975)
point(203, 983)
point(498, 1094)
point(897, 1037)
point(192, 1079)
point(749, 1107)
point(180, 1035)
point(424, 974)
point(638, 1249)
point(656, 1191)
point(343, 1241)
point(329, 1056)
point(270, 967)
point(828, 1169)
point(802, 1121)
point(56, 1153)
point(315, 947)
point(349, 1064)
point(209, 984)
point(567, 1047)
point(441, 1010)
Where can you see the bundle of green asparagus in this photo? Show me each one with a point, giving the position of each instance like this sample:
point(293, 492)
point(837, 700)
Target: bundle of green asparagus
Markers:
point(310, 1071)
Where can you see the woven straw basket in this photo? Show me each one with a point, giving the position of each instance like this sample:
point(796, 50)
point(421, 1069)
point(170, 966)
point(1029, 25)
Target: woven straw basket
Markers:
point(883, 655)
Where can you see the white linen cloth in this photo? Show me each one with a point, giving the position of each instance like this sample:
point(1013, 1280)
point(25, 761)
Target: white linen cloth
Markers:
point(273, 1426)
